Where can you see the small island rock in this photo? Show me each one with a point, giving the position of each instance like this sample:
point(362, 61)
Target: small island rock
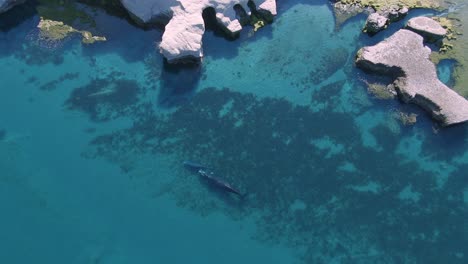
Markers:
point(404, 56)
point(375, 23)
point(427, 27)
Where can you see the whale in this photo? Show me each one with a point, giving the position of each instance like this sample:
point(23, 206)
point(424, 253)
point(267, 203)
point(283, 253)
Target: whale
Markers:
point(210, 177)
point(194, 166)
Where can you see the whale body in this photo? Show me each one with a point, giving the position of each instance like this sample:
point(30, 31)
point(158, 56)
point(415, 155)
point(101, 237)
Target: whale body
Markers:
point(194, 166)
point(208, 175)
point(218, 182)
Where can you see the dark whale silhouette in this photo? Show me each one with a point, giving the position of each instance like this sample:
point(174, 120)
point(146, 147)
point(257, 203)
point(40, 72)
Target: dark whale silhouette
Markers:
point(194, 166)
point(210, 177)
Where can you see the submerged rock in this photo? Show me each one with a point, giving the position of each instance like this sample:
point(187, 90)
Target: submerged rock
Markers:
point(427, 27)
point(404, 56)
point(51, 31)
point(183, 34)
point(407, 119)
point(344, 11)
point(8, 4)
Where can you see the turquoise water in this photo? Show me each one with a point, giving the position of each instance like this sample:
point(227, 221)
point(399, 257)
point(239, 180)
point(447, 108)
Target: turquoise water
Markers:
point(444, 71)
point(92, 139)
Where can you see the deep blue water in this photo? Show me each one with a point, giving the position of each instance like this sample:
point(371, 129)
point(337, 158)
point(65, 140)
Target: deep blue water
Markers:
point(92, 138)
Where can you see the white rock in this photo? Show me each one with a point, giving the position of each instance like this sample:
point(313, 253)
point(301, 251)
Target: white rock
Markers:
point(183, 33)
point(404, 56)
point(375, 23)
point(427, 27)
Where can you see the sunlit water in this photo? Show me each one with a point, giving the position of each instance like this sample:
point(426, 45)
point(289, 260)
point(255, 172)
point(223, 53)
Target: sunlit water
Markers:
point(92, 140)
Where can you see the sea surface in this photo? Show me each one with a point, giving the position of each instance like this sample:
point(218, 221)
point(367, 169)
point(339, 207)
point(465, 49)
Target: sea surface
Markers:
point(92, 140)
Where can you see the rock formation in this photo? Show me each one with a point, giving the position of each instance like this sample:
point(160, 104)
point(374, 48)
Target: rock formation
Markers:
point(404, 56)
point(182, 38)
point(427, 27)
point(375, 23)
point(379, 20)
point(51, 31)
point(7, 4)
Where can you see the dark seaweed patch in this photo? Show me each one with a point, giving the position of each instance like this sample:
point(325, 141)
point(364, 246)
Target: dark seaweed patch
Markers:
point(34, 54)
point(177, 83)
point(263, 146)
point(330, 63)
point(104, 99)
point(32, 79)
point(52, 85)
point(328, 94)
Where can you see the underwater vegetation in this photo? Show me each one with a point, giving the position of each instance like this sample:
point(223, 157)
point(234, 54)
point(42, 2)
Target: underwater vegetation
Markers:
point(454, 45)
point(105, 98)
point(328, 93)
point(379, 4)
point(336, 199)
point(34, 53)
point(67, 11)
point(52, 85)
point(176, 82)
point(332, 61)
point(312, 182)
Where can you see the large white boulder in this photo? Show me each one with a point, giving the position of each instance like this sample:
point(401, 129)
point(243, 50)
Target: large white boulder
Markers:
point(183, 33)
point(375, 23)
point(404, 56)
point(427, 27)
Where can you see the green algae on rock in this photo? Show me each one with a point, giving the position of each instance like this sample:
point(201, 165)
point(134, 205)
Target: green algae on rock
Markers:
point(391, 10)
point(381, 91)
point(88, 38)
point(54, 30)
point(383, 4)
point(51, 30)
point(454, 46)
point(407, 119)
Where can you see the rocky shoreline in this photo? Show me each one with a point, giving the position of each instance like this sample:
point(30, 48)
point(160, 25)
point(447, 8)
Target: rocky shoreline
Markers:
point(404, 57)
point(183, 20)
point(415, 82)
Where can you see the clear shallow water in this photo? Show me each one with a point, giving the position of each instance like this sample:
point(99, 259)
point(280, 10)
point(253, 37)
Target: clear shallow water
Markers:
point(445, 70)
point(93, 143)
